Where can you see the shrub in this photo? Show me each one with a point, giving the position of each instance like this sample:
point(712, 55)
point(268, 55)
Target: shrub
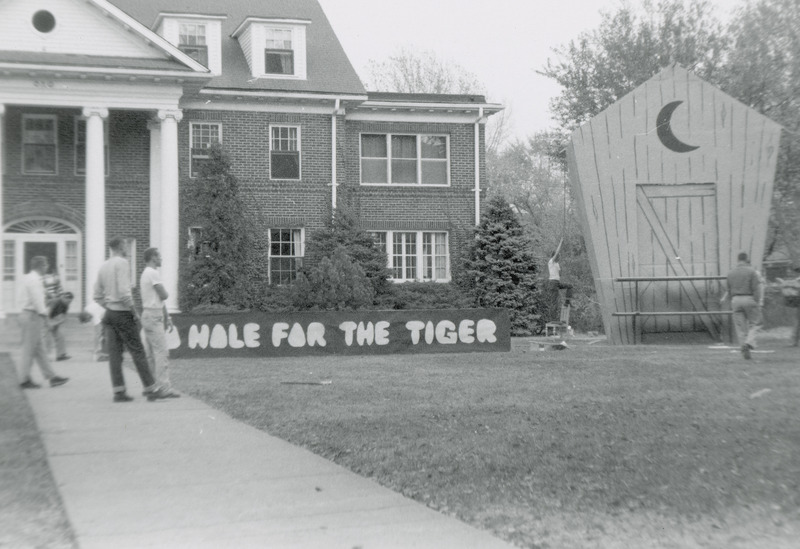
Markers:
point(342, 230)
point(335, 284)
point(221, 269)
point(501, 268)
point(427, 295)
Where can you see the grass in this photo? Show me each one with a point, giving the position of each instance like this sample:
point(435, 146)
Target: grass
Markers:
point(31, 511)
point(648, 446)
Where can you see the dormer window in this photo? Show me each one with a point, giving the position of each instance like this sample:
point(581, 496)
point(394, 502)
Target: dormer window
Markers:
point(274, 48)
point(278, 55)
point(192, 41)
point(198, 36)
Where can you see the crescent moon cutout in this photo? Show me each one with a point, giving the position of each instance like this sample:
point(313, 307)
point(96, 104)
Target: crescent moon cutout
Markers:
point(665, 131)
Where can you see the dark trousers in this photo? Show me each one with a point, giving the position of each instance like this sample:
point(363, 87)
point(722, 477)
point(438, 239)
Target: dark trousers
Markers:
point(556, 285)
point(122, 331)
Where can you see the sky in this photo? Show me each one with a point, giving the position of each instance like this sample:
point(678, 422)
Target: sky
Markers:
point(502, 42)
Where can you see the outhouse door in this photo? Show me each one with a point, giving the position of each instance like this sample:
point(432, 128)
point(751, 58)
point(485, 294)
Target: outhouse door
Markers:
point(677, 228)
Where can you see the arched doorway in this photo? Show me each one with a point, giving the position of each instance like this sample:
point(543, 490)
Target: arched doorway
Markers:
point(55, 239)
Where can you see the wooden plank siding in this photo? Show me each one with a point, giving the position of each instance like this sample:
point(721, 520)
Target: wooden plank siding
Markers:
point(649, 210)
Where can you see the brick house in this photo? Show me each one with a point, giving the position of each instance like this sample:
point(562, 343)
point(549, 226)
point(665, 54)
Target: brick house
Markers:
point(106, 108)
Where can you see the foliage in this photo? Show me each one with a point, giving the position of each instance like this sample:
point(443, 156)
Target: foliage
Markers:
point(342, 229)
point(221, 268)
point(427, 295)
point(275, 298)
point(756, 59)
point(763, 71)
point(627, 49)
point(501, 268)
point(532, 176)
point(408, 71)
point(336, 283)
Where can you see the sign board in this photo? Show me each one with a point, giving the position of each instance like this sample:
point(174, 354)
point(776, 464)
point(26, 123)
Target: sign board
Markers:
point(340, 333)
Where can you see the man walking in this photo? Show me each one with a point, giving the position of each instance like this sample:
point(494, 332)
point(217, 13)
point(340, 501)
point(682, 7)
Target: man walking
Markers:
point(121, 321)
point(34, 323)
point(747, 298)
point(154, 319)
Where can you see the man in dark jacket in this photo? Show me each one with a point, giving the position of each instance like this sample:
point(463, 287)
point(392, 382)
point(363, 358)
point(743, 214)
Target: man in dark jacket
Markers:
point(747, 298)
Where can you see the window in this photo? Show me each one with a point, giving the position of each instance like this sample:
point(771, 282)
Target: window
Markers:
point(278, 52)
point(71, 263)
point(285, 255)
point(80, 146)
point(404, 256)
point(9, 259)
point(44, 21)
point(404, 159)
point(192, 41)
point(39, 144)
point(195, 241)
point(284, 158)
point(202, 137)
point(416, 255)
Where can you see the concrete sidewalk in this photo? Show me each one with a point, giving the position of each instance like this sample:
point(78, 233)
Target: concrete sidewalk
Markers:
point(178, 473)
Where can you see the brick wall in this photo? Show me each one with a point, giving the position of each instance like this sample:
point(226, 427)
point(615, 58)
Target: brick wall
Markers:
point(127, 183)
point(268, 203)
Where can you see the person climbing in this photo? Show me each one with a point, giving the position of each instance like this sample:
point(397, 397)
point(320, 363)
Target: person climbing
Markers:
point(555, 282)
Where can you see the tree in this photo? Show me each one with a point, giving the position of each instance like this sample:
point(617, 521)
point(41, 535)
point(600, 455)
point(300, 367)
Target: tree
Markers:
point(342, 230)
point(221, 267)
point(424, 72)
point(337, 283)
point(627, 49)
point(501, 270)
point(410, 72)
point(763, 71)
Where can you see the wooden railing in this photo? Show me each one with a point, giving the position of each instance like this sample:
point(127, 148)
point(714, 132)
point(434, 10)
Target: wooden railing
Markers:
point(636, 313)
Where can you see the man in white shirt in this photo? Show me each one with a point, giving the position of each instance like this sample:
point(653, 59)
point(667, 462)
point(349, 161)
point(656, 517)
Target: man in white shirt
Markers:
point(34, 323)
point(154, 319)
point(554, 269)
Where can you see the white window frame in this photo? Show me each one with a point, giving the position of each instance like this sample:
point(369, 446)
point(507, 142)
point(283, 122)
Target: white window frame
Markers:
point(192, 29)
point(77, 155)
point(299, 152)
point(9, 261)
point(296, 256)
point(268, 29)
point(387, 239)
point(54, 118)
point(192, 156)
point(419, 159)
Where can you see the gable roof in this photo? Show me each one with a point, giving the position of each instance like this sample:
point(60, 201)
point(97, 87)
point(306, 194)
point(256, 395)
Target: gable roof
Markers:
point(148, 51)
point(329, 69)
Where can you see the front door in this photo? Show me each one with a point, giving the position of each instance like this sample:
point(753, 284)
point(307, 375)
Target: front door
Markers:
point(46, 249)
point(678, 238)
point(58, 242)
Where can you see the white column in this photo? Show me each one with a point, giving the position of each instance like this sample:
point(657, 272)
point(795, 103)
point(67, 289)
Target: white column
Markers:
point(2, 245)
point(155, 183)
point(170, 241)
point(95, 195)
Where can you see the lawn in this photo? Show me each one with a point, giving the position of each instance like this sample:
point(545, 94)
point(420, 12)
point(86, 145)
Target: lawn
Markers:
point(31, 511)
point(648, 446)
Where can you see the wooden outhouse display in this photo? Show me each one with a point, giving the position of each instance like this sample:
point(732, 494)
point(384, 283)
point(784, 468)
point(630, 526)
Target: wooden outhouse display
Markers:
point(671, 183)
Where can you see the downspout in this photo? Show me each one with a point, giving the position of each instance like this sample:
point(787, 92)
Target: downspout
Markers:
point(478, 167)
point(334, 183)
